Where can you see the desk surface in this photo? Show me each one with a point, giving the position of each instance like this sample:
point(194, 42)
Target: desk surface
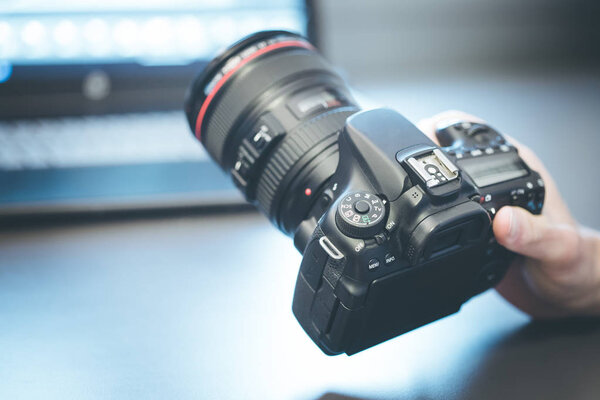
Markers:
point(199, 307)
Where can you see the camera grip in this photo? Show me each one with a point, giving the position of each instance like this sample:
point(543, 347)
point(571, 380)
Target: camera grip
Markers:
point(314, 299)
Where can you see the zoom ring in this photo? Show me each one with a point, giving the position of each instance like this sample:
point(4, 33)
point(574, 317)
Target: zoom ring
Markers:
point(291, 149)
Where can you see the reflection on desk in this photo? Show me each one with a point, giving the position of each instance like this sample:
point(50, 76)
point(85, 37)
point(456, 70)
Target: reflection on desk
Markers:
point(200, 307)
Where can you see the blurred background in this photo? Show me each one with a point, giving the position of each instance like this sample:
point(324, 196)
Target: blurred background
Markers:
point(531, 69)
point(102, 85)
point(130, 267)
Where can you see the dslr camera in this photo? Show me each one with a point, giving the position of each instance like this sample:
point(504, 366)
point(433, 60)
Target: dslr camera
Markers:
point(395, 231)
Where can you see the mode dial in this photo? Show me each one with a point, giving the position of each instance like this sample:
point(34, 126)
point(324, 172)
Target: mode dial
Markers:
point(360, 215)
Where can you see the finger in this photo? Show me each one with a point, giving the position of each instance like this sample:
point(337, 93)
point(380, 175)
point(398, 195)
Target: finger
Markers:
point(429, 125)
point(516, 289)
point(535, 236)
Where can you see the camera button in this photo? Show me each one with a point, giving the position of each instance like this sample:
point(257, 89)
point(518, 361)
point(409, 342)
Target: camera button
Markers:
point(540, 182)
point(540, 200)
point(389, 258)
point(476, 153)
point(362, 206)
point(504, 148)
point(373, 264)
point(517, 196)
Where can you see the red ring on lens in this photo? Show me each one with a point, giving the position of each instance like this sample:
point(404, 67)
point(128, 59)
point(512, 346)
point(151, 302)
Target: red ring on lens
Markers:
point(221, 82)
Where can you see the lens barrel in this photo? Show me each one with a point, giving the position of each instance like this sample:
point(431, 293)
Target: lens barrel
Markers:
point(268, 110)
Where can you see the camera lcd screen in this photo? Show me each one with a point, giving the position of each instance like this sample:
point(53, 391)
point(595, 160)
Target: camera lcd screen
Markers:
point(486, 171)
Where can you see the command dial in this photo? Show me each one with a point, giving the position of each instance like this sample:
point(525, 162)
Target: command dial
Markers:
point(360, 215)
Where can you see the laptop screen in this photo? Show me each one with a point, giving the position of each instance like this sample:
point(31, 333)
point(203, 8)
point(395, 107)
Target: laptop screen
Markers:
point(68, 57)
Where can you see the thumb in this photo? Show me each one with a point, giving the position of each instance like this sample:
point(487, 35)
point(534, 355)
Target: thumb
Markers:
point(535, 236)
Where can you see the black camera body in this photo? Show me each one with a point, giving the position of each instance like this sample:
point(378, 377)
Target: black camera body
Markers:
point(408, 239)
point(395, 231)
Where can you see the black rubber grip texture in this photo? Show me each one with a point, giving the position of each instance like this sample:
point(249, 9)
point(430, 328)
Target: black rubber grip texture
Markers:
point(292, 148)
point(251, 81)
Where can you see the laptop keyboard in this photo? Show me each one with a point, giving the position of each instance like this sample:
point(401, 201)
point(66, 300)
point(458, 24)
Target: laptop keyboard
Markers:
point(97, 141)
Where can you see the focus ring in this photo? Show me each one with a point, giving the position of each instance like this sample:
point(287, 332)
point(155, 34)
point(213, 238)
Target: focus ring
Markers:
point(249, 84)
point(292, 148)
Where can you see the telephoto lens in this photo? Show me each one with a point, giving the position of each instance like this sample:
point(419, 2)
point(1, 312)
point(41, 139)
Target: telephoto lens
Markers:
point(269, 110)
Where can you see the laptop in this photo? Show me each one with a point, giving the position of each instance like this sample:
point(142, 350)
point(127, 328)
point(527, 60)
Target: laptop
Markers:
point(91, 98)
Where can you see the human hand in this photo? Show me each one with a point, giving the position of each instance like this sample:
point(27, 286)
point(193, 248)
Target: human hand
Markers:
point(559, 273)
